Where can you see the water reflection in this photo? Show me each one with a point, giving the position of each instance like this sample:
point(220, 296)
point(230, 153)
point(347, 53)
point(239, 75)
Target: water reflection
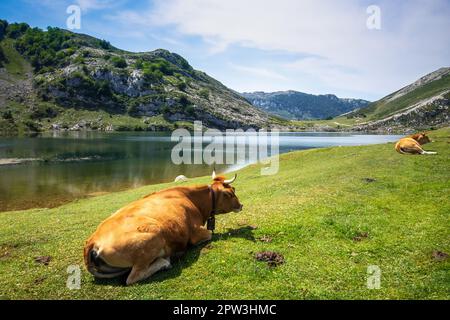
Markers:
point(71, 165)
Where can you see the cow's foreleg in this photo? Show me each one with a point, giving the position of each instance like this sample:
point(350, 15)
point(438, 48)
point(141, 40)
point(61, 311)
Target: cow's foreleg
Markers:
point(201, 235)
point(139, 272)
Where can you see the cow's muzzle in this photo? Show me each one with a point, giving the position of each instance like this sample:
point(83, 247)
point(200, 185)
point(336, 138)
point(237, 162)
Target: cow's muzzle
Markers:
point(238, 209)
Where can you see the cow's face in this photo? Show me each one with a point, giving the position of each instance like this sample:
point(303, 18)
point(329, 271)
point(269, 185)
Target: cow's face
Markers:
point(421, 138)
point(226, 199)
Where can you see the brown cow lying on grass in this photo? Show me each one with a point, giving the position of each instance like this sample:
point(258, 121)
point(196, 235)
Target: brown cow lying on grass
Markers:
point(413, 144)
point(143, 235)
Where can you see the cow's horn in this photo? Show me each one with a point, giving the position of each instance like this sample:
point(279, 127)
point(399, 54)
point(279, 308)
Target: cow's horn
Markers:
point(214, 174)
point(231, 180)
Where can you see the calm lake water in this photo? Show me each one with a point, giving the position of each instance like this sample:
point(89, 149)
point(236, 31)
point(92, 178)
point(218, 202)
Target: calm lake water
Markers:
point(61, 167)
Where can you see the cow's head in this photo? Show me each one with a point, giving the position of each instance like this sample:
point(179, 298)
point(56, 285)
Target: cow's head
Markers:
point(226, 199)
point(421, 138)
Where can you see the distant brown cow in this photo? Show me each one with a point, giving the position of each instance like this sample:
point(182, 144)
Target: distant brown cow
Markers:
point(143, 235)
point(413, 144)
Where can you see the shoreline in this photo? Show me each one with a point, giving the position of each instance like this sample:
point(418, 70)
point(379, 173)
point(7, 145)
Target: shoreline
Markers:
point(16, 161)
point(312, 129)
point(59, 200)
point(92, 194)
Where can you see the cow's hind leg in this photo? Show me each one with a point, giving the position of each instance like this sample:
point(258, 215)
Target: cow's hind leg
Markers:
point(139, 272)
point(428, 152)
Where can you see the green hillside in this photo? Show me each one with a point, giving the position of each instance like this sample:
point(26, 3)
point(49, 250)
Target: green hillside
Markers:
point(384, 108)
point(428, 86)
point(13, 62)
point(60, 80)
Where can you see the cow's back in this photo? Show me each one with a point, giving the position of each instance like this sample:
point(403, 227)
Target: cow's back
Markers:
point(161, 219)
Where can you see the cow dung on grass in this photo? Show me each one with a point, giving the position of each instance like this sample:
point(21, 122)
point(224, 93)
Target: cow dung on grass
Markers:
point(272, 258)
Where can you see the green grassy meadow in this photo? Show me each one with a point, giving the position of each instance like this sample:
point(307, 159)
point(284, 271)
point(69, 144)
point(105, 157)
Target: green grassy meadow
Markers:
point(330, 212)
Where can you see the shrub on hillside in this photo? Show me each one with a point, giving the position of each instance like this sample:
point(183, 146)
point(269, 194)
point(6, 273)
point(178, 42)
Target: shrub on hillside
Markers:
point(204, 93)
point(139, 64)
point(32, 126)
point(42, 47)
point(3, 27)
point(43, 110)
point(104, 44)
point(181, 85)
point(79, 59)
point(190, 110)
point(15, 30)
point(2, 57)
point(155, 70)
point(118, 62)
point(184, 101)
point(152, 76)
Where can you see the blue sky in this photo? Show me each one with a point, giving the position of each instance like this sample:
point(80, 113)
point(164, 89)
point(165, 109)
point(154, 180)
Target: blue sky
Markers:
point(311, 46)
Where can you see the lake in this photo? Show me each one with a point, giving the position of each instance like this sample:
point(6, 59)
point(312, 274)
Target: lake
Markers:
point(54, 168)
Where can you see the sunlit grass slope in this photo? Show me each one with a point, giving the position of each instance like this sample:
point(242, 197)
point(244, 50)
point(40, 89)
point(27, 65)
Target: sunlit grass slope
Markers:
point(330, 212)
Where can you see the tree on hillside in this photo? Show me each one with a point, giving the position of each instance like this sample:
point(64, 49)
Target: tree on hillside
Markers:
point(2, 57)
point(42, 47)
point(3, 26)
point(104, 44)
point(15, 30)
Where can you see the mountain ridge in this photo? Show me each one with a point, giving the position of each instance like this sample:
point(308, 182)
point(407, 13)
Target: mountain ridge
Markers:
point(296, 105)
point(57, 79)
point(421, 105)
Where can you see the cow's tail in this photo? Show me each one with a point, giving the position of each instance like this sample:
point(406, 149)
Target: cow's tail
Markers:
point(98, 267)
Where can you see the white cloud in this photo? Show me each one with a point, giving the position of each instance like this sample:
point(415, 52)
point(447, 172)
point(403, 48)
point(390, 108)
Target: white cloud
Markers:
point(96, 4)
point(342, 52)
point(131, 18)
point(411, 40)
point(259, 72)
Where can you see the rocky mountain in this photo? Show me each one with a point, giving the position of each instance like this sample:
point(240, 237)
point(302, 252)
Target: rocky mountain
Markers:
point(301, 106)
point(56, 79)
point(423, 104)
